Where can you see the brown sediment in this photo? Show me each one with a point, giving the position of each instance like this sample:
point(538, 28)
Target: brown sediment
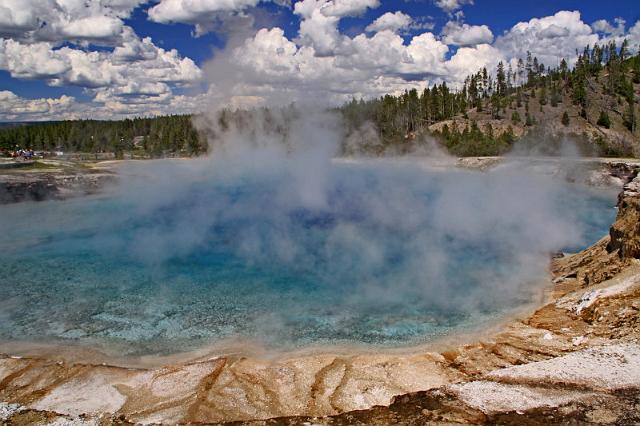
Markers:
point(574, 360)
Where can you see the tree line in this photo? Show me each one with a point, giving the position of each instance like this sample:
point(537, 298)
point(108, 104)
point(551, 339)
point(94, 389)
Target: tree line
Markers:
point(155, 137)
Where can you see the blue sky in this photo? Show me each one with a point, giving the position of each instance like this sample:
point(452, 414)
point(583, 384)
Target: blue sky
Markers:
point(111, 59)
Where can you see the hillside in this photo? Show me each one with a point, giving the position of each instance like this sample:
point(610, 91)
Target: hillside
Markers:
point(595, 103)
point(547, 119)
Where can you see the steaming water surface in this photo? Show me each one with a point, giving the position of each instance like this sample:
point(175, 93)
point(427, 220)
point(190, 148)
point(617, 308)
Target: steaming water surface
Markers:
point(384, 254)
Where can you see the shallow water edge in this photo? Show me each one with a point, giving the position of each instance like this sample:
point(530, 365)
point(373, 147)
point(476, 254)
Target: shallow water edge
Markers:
point(75, 352)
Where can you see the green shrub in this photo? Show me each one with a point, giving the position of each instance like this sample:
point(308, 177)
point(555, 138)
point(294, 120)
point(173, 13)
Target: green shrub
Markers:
point(603, 120)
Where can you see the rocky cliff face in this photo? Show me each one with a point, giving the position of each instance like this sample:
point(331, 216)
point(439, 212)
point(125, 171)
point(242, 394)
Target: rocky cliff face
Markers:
point(607, 258)
point(625, 232)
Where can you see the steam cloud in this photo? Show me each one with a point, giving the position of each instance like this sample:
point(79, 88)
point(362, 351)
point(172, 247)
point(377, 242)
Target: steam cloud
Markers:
point(376, 241)
point(394, 229)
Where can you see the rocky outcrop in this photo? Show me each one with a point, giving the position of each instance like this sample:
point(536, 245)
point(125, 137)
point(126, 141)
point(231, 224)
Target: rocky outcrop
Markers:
point(221, 388)
point(16, 190)
point(50, 186)
point(625, 232)
point(558, 391)
point(611, 255)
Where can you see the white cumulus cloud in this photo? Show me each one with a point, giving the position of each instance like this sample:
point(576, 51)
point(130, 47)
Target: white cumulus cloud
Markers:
point(469, 60)
point(634, 36)
point(70, 66)
point(15, 108)
point(95, 21)
point(194, 11)
point(320, 18)
point(603, 26)
point(466, 35)
point(390, 22)
point(342, 8)
point(451, 6)
point(93, 27)
point(208, 15)
point(550, 38)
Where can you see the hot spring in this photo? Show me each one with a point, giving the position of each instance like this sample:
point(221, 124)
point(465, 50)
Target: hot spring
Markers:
point(185, 254)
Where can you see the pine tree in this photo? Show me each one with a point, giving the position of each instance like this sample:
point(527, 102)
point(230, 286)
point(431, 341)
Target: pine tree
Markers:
point(485, 82)
point(579, 92)
point(520, 71)
point(555, 95)
point(636, 69)
point(529, 68)
point(629, 117)
point(501, 80)
point(528, 120)
point(604, 120)
point(543, 95)
point(564, 69)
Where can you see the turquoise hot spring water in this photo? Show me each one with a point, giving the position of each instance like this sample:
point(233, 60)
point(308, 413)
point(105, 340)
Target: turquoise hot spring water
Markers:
point(370, 253)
